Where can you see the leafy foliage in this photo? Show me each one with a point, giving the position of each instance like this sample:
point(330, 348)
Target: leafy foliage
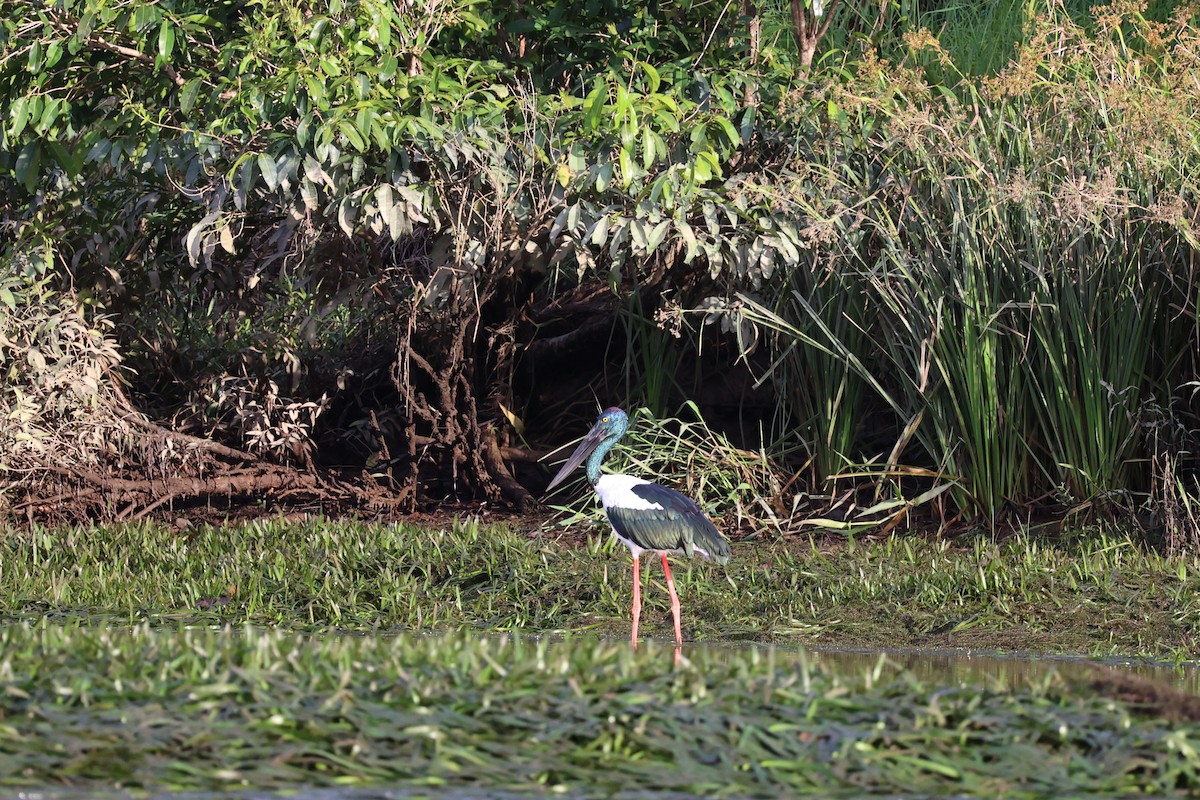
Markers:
point(392, 206)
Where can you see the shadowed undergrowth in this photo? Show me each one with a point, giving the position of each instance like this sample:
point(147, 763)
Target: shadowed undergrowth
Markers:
point(1098, 594)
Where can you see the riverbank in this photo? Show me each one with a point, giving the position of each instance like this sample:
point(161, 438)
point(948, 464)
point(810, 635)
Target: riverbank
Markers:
point(1096, 594)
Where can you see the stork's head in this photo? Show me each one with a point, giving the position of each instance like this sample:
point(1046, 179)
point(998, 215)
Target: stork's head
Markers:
point(610, 426)
point(611, 422)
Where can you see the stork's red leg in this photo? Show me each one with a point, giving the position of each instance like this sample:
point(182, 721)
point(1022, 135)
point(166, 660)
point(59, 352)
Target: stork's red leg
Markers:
point(637, 595)
point(674, 599)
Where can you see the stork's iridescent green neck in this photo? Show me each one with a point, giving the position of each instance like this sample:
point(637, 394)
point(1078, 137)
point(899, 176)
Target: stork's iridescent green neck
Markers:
point(597, 456)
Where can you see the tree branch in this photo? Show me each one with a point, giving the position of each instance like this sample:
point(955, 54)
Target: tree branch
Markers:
point(138, 55)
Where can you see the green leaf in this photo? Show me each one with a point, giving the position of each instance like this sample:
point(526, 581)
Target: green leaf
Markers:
point(188, 94)
point(388, 66)
point(20, 115)
point(266, 165)
point(352, 135)
point(648, 147)
point(656, 235)
point(51, 109)
point(604, 176)
point(144, 17)
point(54, 53)
point(390, 210)
point(623, 108)
point(689, 239)
point(600, 231)
point(384, 16)
point(576, 158)
point(309, 194)
point(331, 67)
point(637, 228)
point(362, 122)
point(316, 92)
point(562, 175)
point(594, 106)
point(731, 132)
point(652, 74)
point(663, 190)
point(65, 158)
point(706, 166)
point(27, 169)
point(166, 40)
point(98, 151)
point(747, 126)
point(627, 167)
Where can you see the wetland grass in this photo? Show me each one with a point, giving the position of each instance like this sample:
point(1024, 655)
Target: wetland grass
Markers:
point(1101, 595)
point(281, 655)
point(145, 707)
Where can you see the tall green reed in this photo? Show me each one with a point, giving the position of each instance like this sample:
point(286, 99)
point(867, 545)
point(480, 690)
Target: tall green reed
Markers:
point(653, 354)
point(1020, 256)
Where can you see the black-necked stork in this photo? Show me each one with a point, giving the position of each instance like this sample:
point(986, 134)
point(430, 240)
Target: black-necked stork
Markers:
point(644, 516)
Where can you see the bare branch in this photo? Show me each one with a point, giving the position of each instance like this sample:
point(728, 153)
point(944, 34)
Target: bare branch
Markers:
point(138, 55)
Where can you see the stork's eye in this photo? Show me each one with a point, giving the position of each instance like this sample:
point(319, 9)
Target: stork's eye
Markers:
point(604, 419)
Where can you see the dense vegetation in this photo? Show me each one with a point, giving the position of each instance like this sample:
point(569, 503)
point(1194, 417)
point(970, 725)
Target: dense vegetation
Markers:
point(195, 709)
point(385, 254)
point(293, 655)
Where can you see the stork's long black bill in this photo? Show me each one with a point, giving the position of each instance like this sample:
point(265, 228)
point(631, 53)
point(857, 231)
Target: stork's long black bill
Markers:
point(590, 442)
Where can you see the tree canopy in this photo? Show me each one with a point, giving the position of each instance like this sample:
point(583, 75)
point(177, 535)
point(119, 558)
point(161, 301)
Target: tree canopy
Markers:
point(392, 240)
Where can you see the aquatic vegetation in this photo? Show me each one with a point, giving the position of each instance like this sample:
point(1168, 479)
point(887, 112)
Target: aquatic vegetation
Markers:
point(202, 708)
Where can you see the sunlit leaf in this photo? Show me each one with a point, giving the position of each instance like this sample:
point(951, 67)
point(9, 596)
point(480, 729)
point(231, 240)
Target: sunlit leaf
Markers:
point(270, 173)
point(227, 243)
point(166, 40)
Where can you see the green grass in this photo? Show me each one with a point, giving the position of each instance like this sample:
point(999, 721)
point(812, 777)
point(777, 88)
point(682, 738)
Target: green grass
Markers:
point(180, 708)
point(283, 654)
point(1097, 594)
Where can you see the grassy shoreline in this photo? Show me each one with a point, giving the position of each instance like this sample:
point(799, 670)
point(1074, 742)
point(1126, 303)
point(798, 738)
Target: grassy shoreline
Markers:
point(1097, 595)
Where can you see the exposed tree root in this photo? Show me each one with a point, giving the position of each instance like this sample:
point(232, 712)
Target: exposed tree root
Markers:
point(141, 497)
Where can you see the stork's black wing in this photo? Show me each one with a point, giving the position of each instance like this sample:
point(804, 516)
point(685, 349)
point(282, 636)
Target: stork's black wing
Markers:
point(675, 522)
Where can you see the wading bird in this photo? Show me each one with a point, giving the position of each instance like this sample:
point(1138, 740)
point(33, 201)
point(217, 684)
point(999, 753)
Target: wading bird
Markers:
point(644, 516)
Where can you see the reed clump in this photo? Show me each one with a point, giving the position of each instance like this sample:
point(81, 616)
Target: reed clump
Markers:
point(1002, 282)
